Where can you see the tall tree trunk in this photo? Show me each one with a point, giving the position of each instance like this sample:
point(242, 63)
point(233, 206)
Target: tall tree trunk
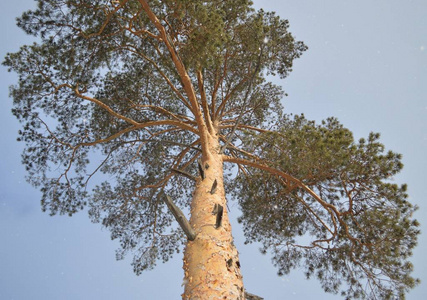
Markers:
point(211, 261)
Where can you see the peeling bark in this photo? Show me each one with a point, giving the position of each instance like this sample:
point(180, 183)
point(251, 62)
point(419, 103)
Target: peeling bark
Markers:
point(211, 261)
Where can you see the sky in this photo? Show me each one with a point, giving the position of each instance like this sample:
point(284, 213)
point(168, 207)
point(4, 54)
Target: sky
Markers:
point(366, 65)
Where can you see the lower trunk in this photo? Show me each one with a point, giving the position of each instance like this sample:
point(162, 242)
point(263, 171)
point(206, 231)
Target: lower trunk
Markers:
point(211, 261)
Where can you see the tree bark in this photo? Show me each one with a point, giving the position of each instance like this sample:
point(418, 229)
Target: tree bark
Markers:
point(211, 261)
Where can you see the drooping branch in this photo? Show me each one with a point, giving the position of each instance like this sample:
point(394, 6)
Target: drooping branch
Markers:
point(180, 218)
point(167, 142)
point(186, 174)
point(163, 111)
point(140, 126)
point(178, 122)
point(292, 183)
point(250, 296)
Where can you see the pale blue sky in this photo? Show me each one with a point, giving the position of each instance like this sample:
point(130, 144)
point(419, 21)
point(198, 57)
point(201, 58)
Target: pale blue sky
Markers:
point(366, 65)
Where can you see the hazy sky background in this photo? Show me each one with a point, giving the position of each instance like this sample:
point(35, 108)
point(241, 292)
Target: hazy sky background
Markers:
point(366, 65)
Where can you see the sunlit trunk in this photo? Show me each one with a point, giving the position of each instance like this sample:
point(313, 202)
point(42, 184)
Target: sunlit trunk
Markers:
point(211, 261)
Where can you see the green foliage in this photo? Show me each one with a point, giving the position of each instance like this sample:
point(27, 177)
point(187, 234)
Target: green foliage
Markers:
point(101, 65)
point(366, 242)
point(100, 93)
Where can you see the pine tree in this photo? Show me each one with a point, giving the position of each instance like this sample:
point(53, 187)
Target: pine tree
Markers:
point(171, 101)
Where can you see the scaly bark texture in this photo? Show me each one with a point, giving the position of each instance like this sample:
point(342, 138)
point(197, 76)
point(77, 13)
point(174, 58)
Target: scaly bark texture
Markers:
point(211, 261)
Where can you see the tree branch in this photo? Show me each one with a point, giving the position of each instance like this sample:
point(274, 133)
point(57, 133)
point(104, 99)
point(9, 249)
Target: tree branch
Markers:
point(186, 174)
point(205, 106)
point(220, 111)
point(243, 126)
point(180, 218)
point(165, 77)
point(139, 126)
point(250, 296)
point(248, 91)
point(185, 78)
point(293, 183)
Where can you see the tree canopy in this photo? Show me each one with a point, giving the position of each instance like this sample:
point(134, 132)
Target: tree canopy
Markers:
point(132, 89)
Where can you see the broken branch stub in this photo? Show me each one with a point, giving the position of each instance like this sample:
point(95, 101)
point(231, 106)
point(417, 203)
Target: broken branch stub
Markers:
point(180, 218)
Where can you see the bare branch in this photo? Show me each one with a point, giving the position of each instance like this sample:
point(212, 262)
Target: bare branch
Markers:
point(186, 174)
point(180, 218)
